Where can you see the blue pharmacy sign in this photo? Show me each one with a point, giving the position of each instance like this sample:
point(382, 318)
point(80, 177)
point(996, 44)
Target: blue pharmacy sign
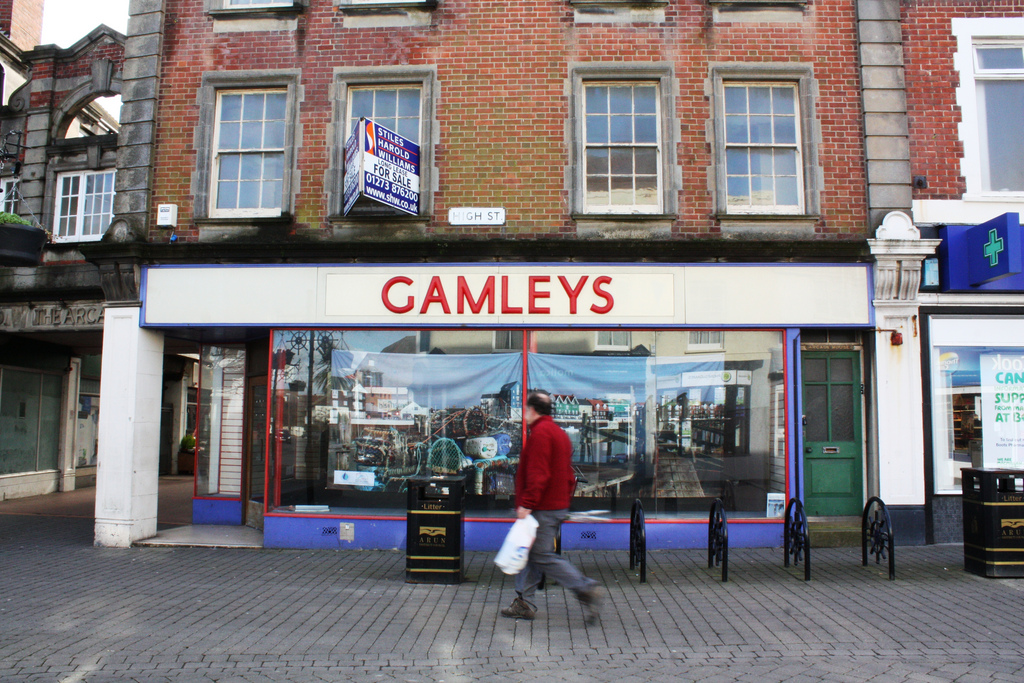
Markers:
point(382, 165)
point(983, 257)
point(993, 249)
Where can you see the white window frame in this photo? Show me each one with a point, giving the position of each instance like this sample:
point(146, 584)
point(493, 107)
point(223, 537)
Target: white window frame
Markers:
point(257, 6)
point(61, 233)
point(795, 145)
point(219, 154)
point(971, 34)
point(611, 343)
point(350, 119)
point(9, 195)
point(611, 145)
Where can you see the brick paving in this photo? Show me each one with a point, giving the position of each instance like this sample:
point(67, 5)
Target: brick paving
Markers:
point(74, 613)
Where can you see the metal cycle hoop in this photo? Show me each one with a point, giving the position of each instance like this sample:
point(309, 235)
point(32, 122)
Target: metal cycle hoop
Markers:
point(638, 540)
point(797, 543)
point(718, 538)
point(876, 535)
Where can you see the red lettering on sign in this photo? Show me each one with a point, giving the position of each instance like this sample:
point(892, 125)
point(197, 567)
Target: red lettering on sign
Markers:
point(610, 302)
point(534, 294)
point(573, 292)
point(435, 295)
point(385, 295)
point(465, 295)
point(505, 308)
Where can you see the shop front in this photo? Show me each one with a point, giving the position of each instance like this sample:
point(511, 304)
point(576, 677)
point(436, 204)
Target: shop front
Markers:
point(49, 396)
point(973, 363)
point(676, 385)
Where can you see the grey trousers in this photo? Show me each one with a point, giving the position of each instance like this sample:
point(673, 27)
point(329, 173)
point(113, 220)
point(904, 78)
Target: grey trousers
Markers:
point(545, 562)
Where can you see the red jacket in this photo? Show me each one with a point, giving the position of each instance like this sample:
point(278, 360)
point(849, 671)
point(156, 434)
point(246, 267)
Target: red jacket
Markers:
point(544, 478)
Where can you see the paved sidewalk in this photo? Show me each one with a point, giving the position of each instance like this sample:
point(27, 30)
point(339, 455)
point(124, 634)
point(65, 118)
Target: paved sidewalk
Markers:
point(71, 613)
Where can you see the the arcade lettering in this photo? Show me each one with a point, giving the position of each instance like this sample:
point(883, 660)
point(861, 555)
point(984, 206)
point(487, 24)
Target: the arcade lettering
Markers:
point(536, 295)
point(86, 316)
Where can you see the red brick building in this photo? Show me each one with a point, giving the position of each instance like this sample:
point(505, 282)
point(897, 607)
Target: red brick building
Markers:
point(665, 207)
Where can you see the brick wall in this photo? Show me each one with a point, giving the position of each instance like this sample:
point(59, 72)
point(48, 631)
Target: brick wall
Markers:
point(22, 21)
point(503, 101)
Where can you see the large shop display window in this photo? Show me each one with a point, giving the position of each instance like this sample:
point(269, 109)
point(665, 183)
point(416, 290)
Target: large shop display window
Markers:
point(977, 389)
point(674, 418)
point(29, 420)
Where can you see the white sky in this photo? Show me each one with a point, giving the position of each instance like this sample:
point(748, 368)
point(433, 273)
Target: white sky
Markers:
point(65, 21)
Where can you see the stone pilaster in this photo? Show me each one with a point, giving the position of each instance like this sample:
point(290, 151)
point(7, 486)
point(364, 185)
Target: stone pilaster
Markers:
point(899, 251)
point(884, 99)
point(141, 76)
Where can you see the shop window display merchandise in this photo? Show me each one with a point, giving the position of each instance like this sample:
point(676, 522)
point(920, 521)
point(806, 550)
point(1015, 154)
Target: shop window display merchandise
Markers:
point(355, 413)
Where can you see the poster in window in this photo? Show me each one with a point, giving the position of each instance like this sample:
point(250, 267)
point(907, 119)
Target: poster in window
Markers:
point(1002, 380)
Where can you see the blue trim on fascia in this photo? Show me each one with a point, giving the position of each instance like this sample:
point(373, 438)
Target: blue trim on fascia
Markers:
point(143, 295)
point(210, 511)
point(794, 413)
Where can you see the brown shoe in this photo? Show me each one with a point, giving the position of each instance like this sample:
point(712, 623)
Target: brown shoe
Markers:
point(520, 609)
point(591, 599)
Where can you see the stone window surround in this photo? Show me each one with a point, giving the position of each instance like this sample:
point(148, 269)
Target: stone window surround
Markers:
point(664, 75)
point(803, 77)
point(74, 155)
point(344, 78)
point(217, 81)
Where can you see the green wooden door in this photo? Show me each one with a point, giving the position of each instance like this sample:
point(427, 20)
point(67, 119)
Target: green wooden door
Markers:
point(833, 458)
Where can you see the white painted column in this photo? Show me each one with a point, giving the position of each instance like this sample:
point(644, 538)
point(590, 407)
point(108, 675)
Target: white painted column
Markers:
point(899, 251)
point(899, 400)
point(128, 461)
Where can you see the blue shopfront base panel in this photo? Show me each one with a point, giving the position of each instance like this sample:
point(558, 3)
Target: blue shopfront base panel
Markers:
point(215, 511)
point(284, 531)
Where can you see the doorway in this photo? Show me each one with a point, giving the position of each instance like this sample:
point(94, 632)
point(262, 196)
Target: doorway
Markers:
point(833, 443)
point(255, 452)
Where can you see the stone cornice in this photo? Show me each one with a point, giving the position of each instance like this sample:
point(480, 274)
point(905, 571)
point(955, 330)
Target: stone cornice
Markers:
point(476, 250)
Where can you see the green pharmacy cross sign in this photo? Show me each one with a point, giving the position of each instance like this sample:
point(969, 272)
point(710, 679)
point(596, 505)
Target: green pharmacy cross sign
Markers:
point(994, 249)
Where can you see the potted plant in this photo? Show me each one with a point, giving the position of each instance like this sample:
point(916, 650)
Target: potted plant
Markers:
point(21, 243)
point(186, 454)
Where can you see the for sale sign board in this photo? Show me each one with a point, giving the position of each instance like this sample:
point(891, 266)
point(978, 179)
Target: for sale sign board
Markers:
point(382, 165)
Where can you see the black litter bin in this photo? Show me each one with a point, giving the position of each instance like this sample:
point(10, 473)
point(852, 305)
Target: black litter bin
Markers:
point(993, 502)
point(434, 530)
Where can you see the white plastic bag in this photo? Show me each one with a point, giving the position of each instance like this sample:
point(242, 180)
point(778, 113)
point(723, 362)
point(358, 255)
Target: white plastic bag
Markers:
point(511, 558)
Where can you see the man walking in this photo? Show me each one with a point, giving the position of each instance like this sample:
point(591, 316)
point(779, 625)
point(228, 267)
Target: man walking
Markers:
point(544, 487)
